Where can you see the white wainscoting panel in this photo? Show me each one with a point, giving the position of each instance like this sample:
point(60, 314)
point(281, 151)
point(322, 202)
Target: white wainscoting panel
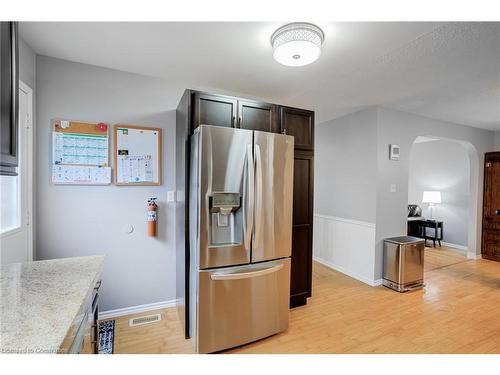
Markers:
point(346, 245)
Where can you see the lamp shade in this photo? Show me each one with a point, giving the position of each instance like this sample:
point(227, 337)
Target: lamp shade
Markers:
point(431, 197)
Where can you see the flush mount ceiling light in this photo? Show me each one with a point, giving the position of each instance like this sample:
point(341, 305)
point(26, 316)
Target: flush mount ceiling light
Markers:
point(297, 44)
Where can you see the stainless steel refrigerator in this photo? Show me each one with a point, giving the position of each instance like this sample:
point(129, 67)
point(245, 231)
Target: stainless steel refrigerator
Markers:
point(240, 231)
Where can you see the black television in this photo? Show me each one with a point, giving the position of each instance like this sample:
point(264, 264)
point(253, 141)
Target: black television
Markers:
point(9, 86)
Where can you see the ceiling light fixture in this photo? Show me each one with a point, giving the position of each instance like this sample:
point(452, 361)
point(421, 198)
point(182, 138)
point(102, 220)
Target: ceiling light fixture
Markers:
point(297, 44)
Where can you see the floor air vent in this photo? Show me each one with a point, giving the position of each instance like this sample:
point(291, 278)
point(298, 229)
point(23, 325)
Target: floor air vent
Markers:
point(144, 320)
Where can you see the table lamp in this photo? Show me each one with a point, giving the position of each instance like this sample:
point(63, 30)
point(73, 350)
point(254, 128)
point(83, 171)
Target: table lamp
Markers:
point(431, 197)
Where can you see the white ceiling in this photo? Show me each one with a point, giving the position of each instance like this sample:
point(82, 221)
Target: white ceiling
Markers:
point(448, 71)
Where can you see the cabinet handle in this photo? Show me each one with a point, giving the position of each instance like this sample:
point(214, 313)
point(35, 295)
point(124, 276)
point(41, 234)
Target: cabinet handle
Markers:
point(497, 212)
point(239, 122)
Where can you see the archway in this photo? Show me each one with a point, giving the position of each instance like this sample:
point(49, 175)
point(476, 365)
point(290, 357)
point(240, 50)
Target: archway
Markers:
point(473, 210)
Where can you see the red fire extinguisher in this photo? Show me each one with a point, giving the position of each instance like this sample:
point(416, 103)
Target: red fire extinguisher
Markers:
point(152, 217)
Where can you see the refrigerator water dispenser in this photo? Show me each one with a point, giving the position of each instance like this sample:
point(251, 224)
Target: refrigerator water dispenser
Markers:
point(226, 224)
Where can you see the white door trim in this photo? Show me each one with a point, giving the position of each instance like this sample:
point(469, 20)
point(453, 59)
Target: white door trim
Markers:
point(28, 189)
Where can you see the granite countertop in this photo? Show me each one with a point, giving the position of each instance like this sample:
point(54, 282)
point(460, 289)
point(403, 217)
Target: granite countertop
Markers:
point(40, 300)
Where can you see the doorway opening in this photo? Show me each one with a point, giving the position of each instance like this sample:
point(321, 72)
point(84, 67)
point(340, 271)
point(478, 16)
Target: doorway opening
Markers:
point(439, 199)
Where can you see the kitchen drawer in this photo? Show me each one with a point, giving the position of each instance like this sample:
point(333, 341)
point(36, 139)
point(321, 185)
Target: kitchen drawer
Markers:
point(77, 344)
point(82, 336)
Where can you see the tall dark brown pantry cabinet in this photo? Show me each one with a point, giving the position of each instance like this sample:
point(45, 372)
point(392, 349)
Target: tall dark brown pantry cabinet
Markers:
point(300, 124)
point(201, 108)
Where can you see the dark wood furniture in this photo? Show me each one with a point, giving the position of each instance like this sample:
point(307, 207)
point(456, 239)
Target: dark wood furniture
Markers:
point(300, 124)
point(490, 248)
point(218, 110)
point(418, 228)
point(9, 98)
point(196, 108)
point(302, 228)
point(437, 231)
point(257, 116)
point(413, 228)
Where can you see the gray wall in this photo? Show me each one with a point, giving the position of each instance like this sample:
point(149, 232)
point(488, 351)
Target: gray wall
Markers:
point(352, 162)
point(497, 140)
point(345, 169)
point(395, 127)
point(27, 62)
point(86, 220)
point(443, 166)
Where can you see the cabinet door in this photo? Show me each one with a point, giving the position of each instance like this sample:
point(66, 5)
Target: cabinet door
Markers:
point(257, 116)
point(301, 271)
point(300, 124)
point(9, 96)
point(213, 110)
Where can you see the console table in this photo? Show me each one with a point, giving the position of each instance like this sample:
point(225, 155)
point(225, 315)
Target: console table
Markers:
point(418, 228)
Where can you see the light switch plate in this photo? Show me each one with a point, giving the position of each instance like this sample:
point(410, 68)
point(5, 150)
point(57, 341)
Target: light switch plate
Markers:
point(392, 188)
point(170, 196)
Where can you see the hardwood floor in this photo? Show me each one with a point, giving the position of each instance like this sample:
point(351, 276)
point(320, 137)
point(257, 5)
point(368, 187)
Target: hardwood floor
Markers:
point(439, 257)
point(457, 312)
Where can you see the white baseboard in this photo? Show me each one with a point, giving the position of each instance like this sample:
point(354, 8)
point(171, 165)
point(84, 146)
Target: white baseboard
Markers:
point(471, 255)
point(347, 272)
point(454, 246)
point(136, 309)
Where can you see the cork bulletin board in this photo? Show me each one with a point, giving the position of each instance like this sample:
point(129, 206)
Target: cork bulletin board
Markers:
point(80, 153)
point(137, 155)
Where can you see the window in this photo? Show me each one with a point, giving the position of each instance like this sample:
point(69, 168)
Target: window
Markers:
point(11, 203)
point(10, 196)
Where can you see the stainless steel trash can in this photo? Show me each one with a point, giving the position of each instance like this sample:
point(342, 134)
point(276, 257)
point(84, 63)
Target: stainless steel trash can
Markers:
point(403, 263)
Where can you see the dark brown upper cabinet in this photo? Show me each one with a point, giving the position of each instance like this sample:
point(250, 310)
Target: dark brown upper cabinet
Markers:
point(257, 116)
point(219, 110)
point(202, 108)
point(214, 110)
point(300, 124)
point(9, 106)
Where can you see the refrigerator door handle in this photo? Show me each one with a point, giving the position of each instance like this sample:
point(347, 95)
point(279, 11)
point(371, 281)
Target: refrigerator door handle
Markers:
point(248, 200)
point(258, 195)
point(245, 275)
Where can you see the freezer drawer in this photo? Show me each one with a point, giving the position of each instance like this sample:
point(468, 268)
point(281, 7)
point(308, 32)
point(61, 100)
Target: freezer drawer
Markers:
point(238, 305)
